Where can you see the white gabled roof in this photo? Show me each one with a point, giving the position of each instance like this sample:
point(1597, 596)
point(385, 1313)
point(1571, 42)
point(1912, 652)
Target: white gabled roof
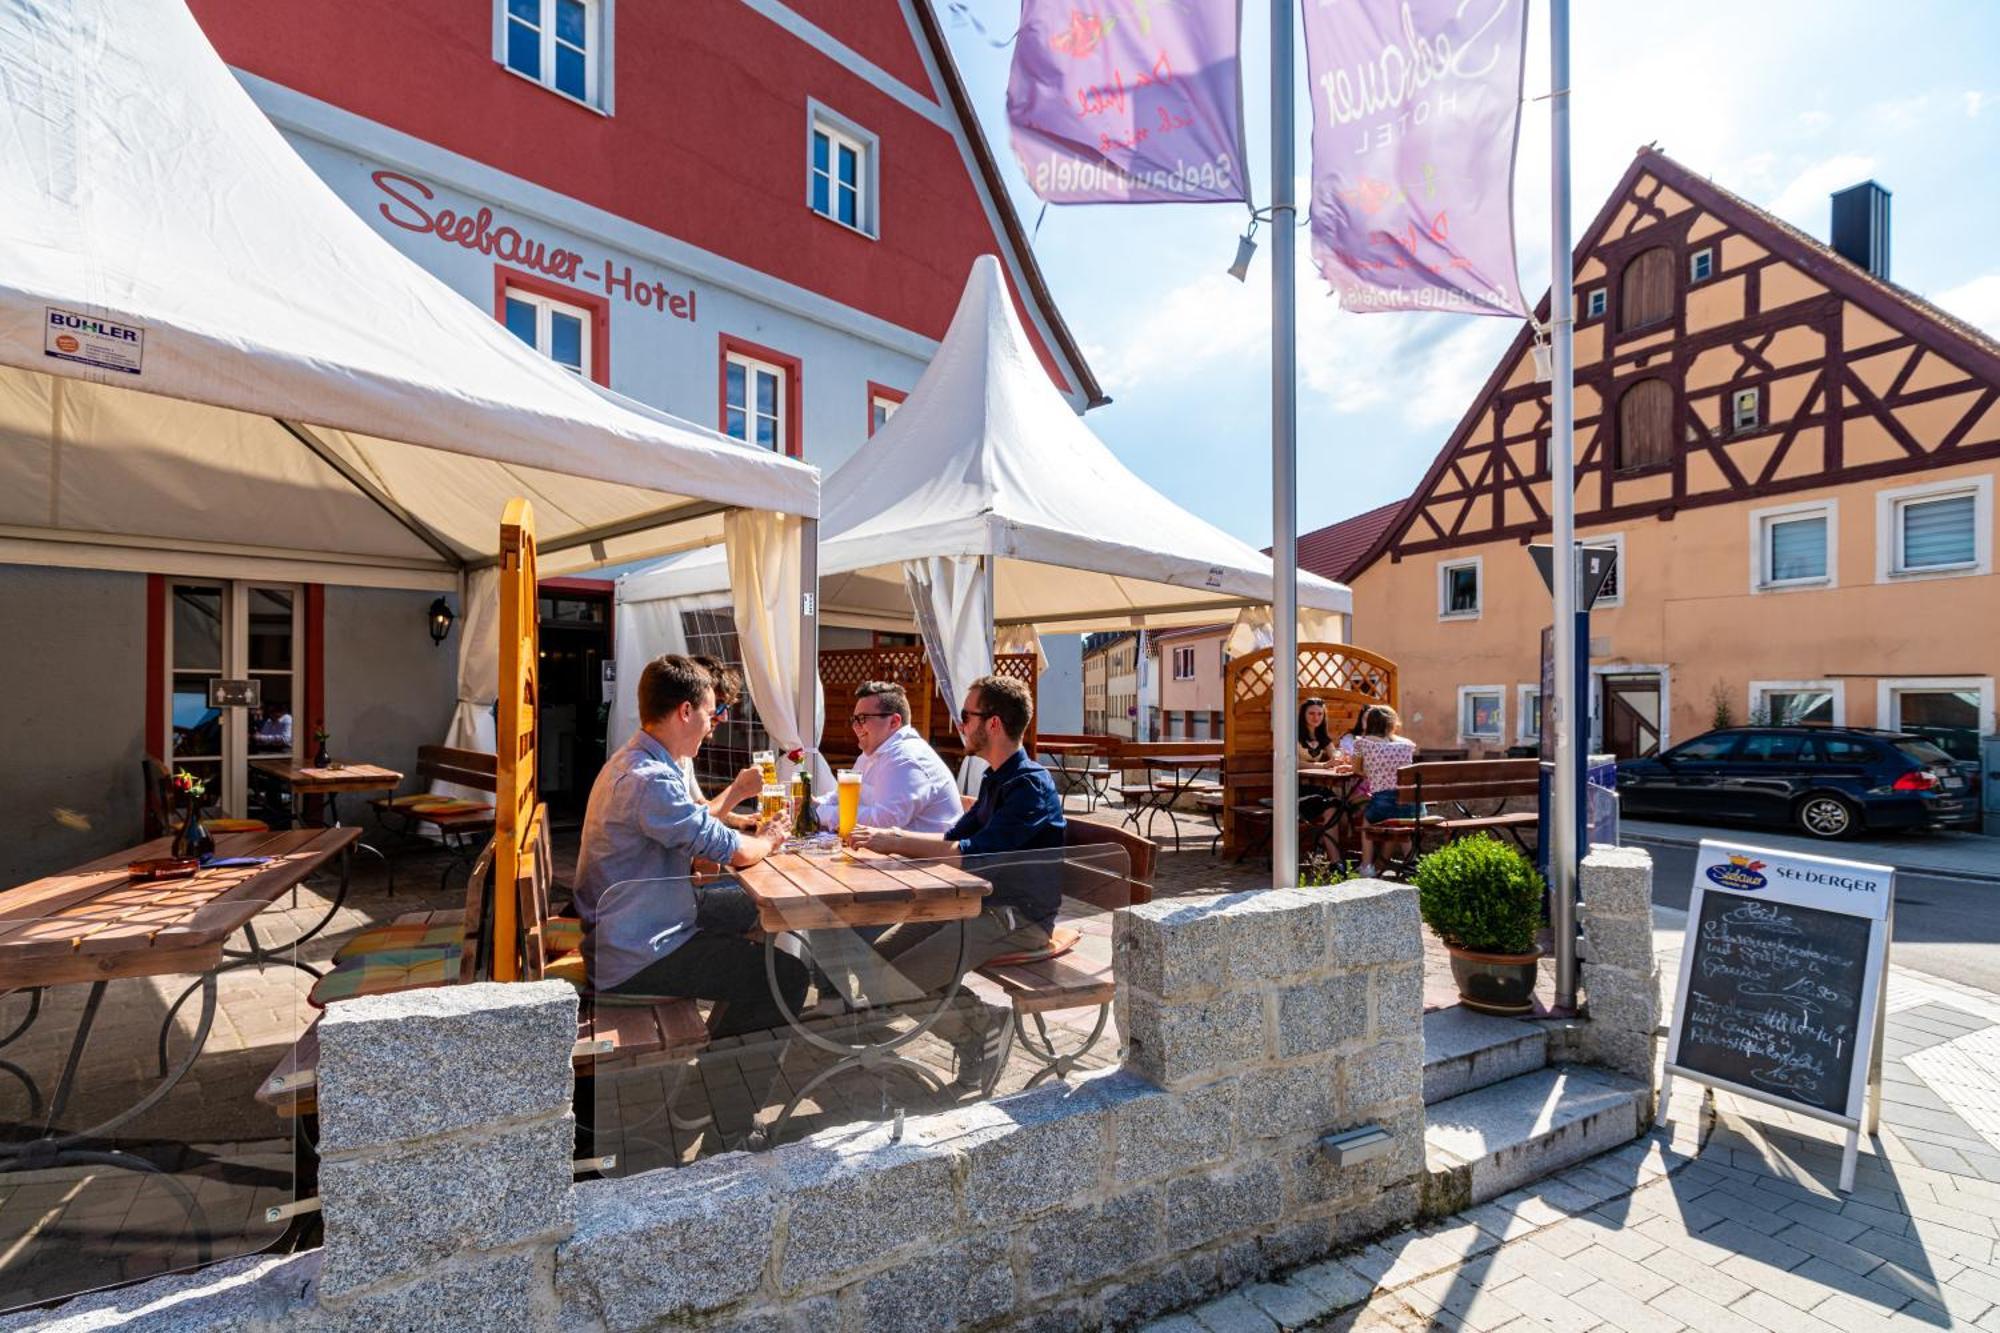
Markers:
point(305, 394)
point(986, 457)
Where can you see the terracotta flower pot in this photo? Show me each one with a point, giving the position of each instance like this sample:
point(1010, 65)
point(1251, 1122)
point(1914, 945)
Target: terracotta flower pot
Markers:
point(1495, 983)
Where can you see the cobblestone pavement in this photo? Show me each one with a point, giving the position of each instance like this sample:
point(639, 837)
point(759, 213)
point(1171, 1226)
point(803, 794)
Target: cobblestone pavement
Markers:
point(1726, 1222)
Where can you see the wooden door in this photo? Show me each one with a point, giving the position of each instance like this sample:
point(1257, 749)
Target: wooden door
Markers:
point(1632, 716)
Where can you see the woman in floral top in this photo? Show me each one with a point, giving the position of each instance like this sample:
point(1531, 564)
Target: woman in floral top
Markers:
point(1383, 753)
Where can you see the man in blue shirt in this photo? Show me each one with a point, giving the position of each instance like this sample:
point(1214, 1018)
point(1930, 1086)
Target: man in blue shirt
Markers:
point(641, 832)
point(1019, 810)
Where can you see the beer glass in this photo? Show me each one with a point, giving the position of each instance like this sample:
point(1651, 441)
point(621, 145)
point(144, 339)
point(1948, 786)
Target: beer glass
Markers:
point(767, 764)
point(771, 802)
point(850, 801)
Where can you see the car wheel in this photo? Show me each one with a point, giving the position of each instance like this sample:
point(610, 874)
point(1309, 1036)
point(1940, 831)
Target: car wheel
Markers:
point(1827, 817)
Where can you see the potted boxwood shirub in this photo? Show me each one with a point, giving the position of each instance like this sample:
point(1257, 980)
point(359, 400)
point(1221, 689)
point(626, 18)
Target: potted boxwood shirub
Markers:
point(1483, 899)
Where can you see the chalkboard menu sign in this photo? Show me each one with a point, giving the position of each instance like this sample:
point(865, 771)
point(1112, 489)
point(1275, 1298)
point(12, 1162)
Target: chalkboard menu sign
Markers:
point(1781, 980)
point(1774, 998)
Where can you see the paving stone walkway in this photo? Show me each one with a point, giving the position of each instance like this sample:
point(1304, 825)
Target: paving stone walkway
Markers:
point(1728, 1221)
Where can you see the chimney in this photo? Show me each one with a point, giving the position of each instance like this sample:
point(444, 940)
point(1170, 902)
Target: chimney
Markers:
point(1861, 227)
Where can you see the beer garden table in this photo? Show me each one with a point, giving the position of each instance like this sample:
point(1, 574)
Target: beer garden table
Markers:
point(832, 894)
point(97, 924)
point(1185, 770)
point(331, 782)
point(1069, 777)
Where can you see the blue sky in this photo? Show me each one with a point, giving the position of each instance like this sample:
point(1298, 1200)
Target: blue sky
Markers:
point(1778, 100)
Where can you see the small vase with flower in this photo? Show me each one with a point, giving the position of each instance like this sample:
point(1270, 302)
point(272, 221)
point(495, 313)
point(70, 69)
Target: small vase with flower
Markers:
point(192, 841)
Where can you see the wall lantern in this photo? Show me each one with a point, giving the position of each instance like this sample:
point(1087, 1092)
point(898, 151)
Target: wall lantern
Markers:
point(440, 620)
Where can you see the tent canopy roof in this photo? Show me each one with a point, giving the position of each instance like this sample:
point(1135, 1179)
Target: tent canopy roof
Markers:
point(986, 458)
point(305, 396)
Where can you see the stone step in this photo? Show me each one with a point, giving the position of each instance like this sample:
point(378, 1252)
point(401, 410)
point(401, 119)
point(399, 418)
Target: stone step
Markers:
point(1465, 1050)
point(1483, 1143)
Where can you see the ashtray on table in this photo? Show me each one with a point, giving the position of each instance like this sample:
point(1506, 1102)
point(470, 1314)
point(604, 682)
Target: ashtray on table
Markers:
point(818, 844)
point(165, 867)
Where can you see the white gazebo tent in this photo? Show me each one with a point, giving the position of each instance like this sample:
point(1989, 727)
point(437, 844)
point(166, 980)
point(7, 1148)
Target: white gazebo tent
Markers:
point(986, 503)
point(210, 365)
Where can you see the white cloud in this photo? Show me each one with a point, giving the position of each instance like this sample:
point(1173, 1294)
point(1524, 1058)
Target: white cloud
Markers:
point(1803, 203)
point(1813, 122)
point(1976, 302)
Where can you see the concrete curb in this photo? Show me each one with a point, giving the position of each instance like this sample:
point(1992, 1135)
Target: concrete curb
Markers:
point(1693, 839)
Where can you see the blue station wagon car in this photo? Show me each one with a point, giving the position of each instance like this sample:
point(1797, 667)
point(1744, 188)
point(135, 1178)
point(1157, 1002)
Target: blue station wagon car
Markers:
point(1829, 782)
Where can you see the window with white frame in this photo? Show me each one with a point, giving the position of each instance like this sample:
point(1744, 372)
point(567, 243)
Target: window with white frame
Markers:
point(1593, 303)
point(558, 331)
point(753, 401)
point(880, 408)
point(841, 175)
point(1794, 545)
point(1482, 712)
point(1745, 409)
point(1792, 703)
point(1183, 664)
point(1951, 712)
point(1701, 265)
point(1938, 528)
point(1528, 712)
point(1458, 588)
point(560, 44)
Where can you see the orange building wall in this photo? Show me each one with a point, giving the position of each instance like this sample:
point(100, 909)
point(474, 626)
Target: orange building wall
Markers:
point(1204, 692)
point(1688, 608)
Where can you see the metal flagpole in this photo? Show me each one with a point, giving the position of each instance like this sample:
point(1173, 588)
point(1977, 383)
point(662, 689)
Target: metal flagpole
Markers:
point(1564, 716)
point(1284, 466)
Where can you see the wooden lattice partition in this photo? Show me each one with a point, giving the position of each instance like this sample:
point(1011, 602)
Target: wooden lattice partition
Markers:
point(518, 741)
point(841, 670)
point(1349, 679)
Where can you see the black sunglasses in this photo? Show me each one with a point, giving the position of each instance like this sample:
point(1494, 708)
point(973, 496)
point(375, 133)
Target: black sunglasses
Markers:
point(966, 715)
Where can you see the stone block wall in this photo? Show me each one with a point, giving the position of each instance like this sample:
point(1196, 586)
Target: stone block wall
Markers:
point(1620, 978)
point(1257, 1024)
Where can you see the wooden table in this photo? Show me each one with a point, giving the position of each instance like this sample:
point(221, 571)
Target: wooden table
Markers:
point(332, 783)
point(1185, 768)
point(1068, 777)
point(1341, 783)
point(831, 895)
point(95, 924)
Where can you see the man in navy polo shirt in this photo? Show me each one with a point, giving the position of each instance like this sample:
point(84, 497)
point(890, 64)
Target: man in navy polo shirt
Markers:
point(1019, 810)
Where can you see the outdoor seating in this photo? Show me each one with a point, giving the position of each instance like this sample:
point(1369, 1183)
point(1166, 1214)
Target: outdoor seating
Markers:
point(1462, 784)
point(162, 817)
point(1075, 971)
point(457, 823)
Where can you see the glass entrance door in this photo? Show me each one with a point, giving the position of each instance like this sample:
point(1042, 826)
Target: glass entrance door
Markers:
point(235, 630)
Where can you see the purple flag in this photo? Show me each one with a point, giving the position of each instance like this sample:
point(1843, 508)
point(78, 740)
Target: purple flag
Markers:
point(1128, 101)
point(1416, 108)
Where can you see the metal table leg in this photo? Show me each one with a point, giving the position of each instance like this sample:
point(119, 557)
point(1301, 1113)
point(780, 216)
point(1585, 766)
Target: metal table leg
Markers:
point(863, 1055)
point(20, 1029)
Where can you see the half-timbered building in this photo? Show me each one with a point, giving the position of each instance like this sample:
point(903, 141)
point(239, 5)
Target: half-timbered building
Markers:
point(1793, 456)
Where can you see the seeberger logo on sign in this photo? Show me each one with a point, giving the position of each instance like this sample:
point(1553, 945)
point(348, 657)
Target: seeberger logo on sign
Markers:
point(69, 336)
point(1739, 873)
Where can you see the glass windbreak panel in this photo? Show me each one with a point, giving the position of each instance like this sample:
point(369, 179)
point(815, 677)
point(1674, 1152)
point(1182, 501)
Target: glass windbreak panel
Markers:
point(197, 727)
point(1949, 719)
point(1937, 533)
point(197, 613)
point(133, 1137)
point(825, 988)
point(270, 629)
point(1798, 549)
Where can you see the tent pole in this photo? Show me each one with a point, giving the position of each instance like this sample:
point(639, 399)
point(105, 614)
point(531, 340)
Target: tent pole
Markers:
point(1567, 712)
point(1284, 465)
point(808, 698)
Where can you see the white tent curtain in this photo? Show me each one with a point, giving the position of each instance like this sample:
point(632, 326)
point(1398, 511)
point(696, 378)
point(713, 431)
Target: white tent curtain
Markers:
point(949, 596)
point(1253, 629)
point(472, 724)
point(646, 630)
point(1021, 639)
point(764, 586)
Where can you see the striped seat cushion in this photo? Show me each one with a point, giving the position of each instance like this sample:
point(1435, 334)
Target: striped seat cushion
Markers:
point(401, 936)
point(562, 934)
point(386, 973)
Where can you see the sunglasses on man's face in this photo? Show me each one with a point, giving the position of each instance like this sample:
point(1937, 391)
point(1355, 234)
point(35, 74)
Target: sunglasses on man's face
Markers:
point(965, 715)
point(719, 712)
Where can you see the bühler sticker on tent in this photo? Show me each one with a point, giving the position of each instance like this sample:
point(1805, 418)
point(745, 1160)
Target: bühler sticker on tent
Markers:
point(104, 343)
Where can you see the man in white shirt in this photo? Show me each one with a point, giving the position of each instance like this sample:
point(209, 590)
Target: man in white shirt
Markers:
point(904, 785)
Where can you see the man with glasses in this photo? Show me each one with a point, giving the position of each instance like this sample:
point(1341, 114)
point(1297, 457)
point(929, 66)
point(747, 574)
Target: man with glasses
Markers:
point(1019, 810)
point(904, 785)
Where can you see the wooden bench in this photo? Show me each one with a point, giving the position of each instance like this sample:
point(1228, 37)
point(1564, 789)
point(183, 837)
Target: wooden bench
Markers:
point(1246, 799)
point(460, 824)
point(611, 1035)
point(1080, 975)
point(1462, 785)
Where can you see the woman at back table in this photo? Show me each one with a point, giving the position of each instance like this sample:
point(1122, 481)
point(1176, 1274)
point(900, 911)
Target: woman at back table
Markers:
point(1315, 742)
point(1383, 752)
